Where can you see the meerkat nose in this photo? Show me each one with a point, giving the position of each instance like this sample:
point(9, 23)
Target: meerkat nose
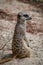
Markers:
point(29, 18)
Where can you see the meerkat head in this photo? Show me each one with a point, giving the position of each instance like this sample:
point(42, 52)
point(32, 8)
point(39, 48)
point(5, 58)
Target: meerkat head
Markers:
point(23, 17)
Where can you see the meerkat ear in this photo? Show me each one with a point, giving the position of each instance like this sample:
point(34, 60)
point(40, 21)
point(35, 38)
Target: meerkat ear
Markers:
point(20, 14)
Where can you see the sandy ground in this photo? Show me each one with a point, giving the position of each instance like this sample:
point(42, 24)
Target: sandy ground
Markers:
point(7, 30)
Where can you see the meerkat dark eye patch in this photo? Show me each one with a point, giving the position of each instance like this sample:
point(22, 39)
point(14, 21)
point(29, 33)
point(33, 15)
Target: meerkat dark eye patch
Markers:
point(25, 15)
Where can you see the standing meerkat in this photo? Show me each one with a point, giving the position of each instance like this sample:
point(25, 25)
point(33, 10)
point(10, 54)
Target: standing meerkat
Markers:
point(20, 45)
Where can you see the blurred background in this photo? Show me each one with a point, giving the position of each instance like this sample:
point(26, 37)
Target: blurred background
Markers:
point(34, 28)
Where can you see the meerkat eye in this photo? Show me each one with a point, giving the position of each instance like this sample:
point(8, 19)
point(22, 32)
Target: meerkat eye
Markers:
point(25, 15)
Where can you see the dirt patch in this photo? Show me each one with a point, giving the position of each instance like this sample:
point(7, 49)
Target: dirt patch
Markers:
point(5, 15)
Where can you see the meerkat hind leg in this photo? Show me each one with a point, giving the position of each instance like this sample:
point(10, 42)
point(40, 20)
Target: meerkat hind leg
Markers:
point(26, 50)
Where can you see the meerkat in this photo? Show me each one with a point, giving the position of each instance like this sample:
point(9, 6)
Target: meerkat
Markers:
point(20, 45)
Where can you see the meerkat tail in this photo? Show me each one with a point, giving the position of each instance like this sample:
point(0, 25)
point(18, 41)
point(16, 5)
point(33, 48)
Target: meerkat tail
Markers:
point(5, 60)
